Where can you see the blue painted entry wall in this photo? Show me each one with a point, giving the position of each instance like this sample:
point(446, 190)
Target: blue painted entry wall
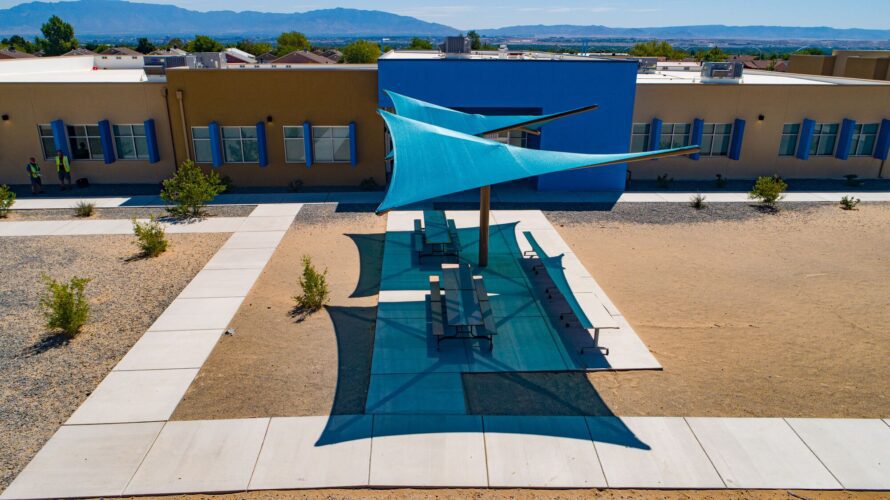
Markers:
point(549, 86)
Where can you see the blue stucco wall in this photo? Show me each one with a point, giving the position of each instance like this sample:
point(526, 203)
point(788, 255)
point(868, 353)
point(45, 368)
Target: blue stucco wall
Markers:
point(549, 86)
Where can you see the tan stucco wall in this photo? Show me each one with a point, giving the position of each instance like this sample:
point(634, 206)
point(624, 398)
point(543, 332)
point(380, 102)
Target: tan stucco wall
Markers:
point(811, 65)
point(30, 104)
point(780, 104)
point(842, 57)
point(873, 68)
point(322, 97)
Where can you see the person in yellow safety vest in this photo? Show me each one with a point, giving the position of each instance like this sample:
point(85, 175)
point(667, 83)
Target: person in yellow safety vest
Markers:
point(33, 170)
point(63, 167)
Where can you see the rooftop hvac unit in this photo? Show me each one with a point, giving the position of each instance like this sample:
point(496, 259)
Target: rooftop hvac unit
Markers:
point(455, 46)
point(646, 65)
point(721, 72)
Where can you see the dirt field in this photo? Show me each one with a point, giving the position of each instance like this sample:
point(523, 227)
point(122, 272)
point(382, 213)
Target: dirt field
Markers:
point(778, 315)
point(275, 365)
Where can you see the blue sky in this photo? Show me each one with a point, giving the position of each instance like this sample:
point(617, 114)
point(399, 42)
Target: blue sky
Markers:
point(466, 14)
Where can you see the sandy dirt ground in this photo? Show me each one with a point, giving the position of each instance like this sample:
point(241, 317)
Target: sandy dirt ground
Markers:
point(276, 365)
point(782, 315)
point(43, 379)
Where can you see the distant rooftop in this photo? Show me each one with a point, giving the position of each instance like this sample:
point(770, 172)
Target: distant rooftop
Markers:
point(66, 69)
point(674, 75)
point(512, 55)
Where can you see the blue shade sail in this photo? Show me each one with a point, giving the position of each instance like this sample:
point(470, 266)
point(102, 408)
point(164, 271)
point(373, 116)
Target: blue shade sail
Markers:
point(431, 161)
point(556, 271)
point(468, 123)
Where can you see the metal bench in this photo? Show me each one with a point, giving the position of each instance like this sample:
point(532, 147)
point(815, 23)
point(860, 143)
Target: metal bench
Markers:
point(437, 317)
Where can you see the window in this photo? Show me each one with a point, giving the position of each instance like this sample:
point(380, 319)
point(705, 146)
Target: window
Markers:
point(824, 139)
point(330, 144)
point(864, 136)
point(294, 145)
point(201, 143)
point(790, 135)
point(674, 135)
point(84, 142)
point(639, 137)
point(715, 139)
point(516, 138)
point(240, 145)
point(129, 140)
point(47, 141)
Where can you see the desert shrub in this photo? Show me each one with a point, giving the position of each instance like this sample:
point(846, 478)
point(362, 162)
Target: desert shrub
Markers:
point(295, 186)
point(7, 198)
point(84, 209)
point(227, 183)
point(315, 288)
point(697, 201)
point(190, 189)
point(150, 237)
point(720, 181)
point(368, 184)
point(663, 181)
point(768, 190)
point(849, 202)
point(65, 307)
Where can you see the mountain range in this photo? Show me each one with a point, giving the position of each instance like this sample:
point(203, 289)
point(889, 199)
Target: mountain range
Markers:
point(119, 17)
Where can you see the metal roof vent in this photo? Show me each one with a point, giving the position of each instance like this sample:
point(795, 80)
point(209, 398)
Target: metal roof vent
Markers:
point(722, 72)
point(646, 65)
point(455, 46)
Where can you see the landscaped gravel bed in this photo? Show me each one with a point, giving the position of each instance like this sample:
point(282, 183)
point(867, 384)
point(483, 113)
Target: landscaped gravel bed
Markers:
point(42, 380)
point(123, 213)
point(669, 213)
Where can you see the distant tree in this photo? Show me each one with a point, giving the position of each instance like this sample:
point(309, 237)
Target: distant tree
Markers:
point(175, 43)
point(58, 37)
point(811, 51)
point(291, 41)
point(420, 44)
point(714, 54)
point(475, 40)
point(144, 46)
point(361, 52)
point(654, 48)
point(203, 43)
point(385, 49)
point(255, 48)
point(18, 43)
point(96, 47)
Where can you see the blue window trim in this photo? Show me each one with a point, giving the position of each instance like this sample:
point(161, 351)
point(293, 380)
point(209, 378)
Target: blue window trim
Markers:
point(60, 137)
point(107, 142)
point(353, 150)
point(151, 140)
point(307, 143)
point(737, 139)
point(655, 134)
point(882, 145)
point(215, 144)
point(845, 139)
point(262, 156)
point(806, 139)
point(698, 129)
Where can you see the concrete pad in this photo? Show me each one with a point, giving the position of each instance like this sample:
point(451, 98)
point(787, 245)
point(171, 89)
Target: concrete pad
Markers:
point(277, 210)
point(549, 239)
point(85, 461)
point(544, 452)
point(402, 220)
point(315, 452)
point(651, 452)
point(463, 219)
point(428, 451)
point(197, 314)
point(760, 453)
point(403, 295)
point(408, 346)
point(254, 239)
point(274, 223)
point(170, 350)
point(416, 393)
point(626, 351)
point(640, 198)
point(134, 396)
point(208, 225)
point(32, 227)
point(241, 258)
point(856, 451)
point(84, 227)
point(529, 220)
point(201, 456)
point(221, 283)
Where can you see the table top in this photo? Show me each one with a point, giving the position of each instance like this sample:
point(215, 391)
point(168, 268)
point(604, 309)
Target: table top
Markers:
point(457, 278)
point(435, 227)
point(462, 308)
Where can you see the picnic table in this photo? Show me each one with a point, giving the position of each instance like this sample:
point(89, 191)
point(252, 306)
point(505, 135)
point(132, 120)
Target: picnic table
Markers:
point(467, 309)
point(437, 234)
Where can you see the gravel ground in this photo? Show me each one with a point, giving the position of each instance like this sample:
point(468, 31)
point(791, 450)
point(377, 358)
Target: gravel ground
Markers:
point(670, 213)
point(124, 213)
point(44, 380)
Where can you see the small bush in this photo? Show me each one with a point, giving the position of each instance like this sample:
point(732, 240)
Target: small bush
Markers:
point(663, 181)
point(295, 186)
point(190, 189)
point(849, 203)
point(768, 190)
point(7, 198)
point(150, 237)
point(368, 184)
point(720, 181)
point(65, 307)
point(697, 201)
point(227, 183)
point(84, 209)
point(315, 288)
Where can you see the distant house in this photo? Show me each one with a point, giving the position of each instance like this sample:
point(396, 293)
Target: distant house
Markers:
point(120, 51)
point(266, 58)
point(302, 57)
point(751, 62)
point(11, 53)
point(172, 51)
point(238, 56)
point(80, 51)
point(332, 54)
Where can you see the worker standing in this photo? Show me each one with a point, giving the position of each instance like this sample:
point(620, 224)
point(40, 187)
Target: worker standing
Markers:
point(33, 170)
point(63, 167)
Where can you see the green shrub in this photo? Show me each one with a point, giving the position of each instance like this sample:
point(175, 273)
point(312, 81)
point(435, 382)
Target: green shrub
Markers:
point(84, 209)
point(65, 307)
point(368, 184)
point(663, 181)
point(768, 190)
point(150, 237)
point(849, 203)
point(697, 201)
point(295, 186)
point(190, 189)
point(7, 198)
point(720, 181)
point(227, 183)
point(315, 288)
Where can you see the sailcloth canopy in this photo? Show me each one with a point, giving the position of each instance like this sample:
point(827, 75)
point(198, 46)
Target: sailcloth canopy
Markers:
point(468, 123)
point(432, 161)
